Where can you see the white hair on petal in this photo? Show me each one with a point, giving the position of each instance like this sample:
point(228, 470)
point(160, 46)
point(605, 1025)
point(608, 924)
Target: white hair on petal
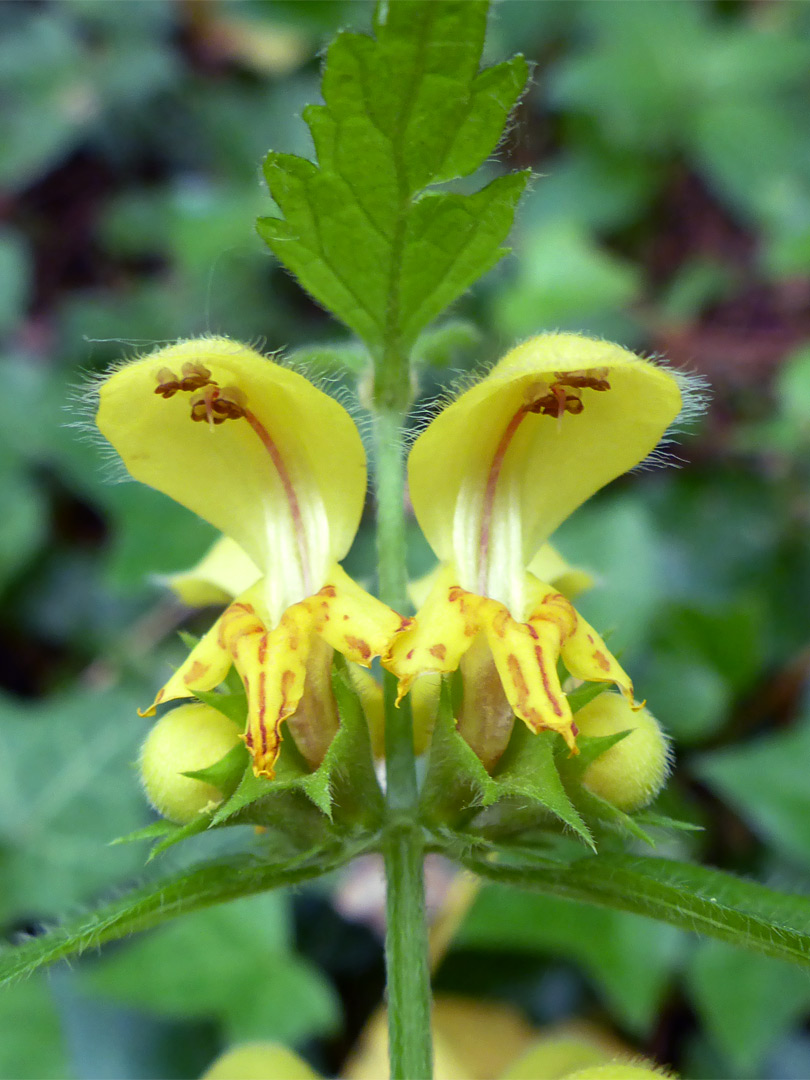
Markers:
point(82, 404)
point(695, 396)
point(461, 380)
point(694, 388)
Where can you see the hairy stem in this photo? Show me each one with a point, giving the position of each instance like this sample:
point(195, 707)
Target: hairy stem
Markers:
point(406, 947)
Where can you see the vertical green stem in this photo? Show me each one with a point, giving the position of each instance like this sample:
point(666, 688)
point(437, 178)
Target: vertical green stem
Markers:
point(406, 952)
point(390, 495)
point(406, 946)
point(393, 579)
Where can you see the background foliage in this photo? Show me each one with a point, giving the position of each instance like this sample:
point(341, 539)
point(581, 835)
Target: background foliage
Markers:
point(671, 211)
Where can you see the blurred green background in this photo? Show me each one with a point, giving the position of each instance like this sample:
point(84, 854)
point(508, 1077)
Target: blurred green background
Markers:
point(671, 212)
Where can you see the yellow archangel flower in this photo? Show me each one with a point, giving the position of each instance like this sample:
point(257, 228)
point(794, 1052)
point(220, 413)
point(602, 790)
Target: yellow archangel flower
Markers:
point(279, 467)
point(491, 478)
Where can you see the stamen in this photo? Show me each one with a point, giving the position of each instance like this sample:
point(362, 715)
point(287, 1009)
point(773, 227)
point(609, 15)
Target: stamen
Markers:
point(592, 380)
point(168, 383)
point(195, 376)
point(545, 400)
point(214, 405)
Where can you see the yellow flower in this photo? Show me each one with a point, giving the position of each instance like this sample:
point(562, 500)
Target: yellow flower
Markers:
point(278, 467)
point(491, 478)
point(222, 573)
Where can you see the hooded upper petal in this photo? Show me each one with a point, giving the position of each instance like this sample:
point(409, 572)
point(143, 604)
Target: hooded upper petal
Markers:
point(272, 462)
point(501, 467)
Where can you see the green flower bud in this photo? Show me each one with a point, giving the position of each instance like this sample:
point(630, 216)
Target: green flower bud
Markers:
point(556, 1057)
point(620, 1070)
point(260, 1061)
point(189, 738)
point(632, 772)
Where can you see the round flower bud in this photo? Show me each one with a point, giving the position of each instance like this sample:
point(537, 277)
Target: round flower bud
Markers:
point(556, 1057)
point(259, 1061)
point(621, 1070)
point(188, 738)
point(632, 772)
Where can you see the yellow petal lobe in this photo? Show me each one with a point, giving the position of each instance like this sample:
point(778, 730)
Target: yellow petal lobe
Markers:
point(526, 656)
point(438, 637)
point(222, 573)
point(549, 565)
point(525, 653)
point(584, 653)
point(272, 665)
point(203, 669)
point(353, 621)
point(285, 668)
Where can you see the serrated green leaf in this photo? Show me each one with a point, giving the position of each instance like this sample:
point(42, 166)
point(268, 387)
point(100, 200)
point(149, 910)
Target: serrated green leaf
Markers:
point(268, 800)
point(180, 832)
point(226, 773)
point(403, 110)
point(353, 785)
point(696, 898)
point(590, 748)
point(450, 241)
point(232, 705)
point(596, 809)
point(584, 694)
point(528, 771)
point(456, 780)
point(154, 831)
point(345, 781)
point(166, 833)
point(663, 821)
point(209, 884)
